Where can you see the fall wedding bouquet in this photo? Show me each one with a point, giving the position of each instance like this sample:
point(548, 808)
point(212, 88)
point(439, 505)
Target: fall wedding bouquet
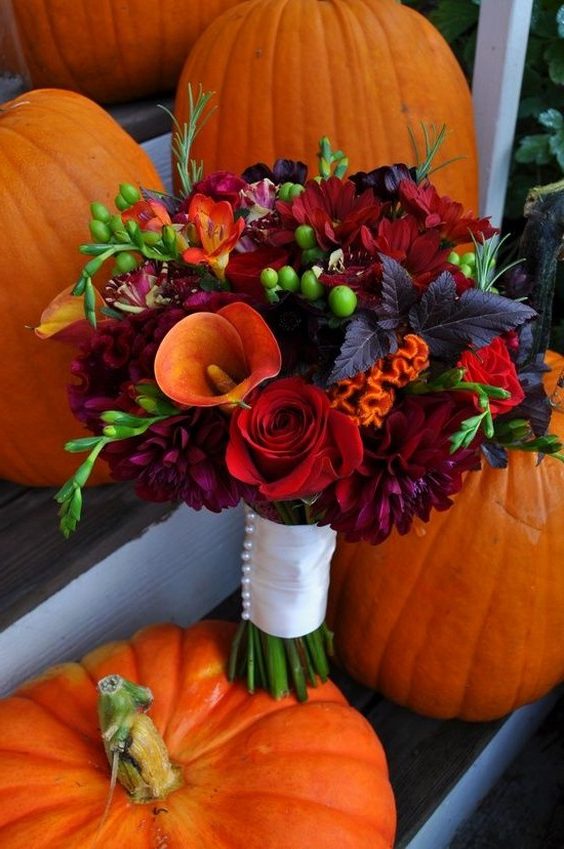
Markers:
point(315, 347)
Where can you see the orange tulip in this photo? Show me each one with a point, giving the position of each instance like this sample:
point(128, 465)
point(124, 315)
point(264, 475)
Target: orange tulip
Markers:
point(217, 232)
point(208, 359)
point(64, 318)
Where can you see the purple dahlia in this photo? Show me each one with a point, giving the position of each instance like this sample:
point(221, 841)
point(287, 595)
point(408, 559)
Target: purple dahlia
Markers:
point(407, 470)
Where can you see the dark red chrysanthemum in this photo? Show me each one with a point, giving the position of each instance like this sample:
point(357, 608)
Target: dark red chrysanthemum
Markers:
point(333, 209)
point(407, 470)
point(118, 355)
point(181, 459)
point(440, 213)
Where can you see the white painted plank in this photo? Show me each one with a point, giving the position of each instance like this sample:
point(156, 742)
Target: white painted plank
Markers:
point(498, 71)
point(176, 572)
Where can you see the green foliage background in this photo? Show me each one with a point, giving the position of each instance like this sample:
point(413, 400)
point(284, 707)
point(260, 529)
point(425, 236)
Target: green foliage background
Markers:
point(538, 150)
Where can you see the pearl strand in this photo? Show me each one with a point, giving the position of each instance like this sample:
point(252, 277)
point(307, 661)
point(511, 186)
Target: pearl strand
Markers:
point(247, 562)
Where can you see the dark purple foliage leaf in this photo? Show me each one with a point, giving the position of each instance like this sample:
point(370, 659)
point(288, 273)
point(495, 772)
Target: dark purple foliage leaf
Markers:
point(449, 324)
point(495, 454)
point(535, 407)
point(365, 342)
point(398, 293)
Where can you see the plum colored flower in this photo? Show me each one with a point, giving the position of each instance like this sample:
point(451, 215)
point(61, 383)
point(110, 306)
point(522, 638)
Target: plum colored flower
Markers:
point(222, 185)
point(407, 469)
point(493, 365)
point(180, 459)
point(383, 181)
point(283, 171)
point(290, 443)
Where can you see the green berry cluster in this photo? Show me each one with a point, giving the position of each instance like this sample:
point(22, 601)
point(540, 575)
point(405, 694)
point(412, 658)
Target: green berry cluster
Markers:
point(466, 262)
point(342, 300)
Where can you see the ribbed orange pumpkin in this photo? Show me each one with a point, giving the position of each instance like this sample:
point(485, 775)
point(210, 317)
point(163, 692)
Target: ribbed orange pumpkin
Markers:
point(58, 152)
point(464, 617)
point(257, 773)
point(287, 72)
point(111, 51)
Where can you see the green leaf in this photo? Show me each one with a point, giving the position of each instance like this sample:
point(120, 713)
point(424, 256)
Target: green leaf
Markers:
point(530, 107)
point(453, 18)
point(552, 119)
point(554, 55)
point(556, 143)
point(534, 148)
point(560, 21)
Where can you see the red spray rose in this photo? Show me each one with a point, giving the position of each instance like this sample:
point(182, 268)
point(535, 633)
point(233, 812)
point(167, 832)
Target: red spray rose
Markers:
point(492, 365)
point(290, 443)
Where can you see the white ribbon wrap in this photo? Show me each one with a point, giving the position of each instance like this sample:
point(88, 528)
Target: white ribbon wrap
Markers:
point(286, 575)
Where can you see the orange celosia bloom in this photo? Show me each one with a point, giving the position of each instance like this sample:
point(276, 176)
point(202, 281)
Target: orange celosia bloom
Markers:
point(369, 396)
point(217, 232)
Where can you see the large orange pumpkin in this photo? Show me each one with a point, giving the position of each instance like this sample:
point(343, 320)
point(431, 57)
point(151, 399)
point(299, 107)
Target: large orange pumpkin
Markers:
point(465, 616)
point(58, 152)
point(255, 773)
point(111, 51)
point(362, 72)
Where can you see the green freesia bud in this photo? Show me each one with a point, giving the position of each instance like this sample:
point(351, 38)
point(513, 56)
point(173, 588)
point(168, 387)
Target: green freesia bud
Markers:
point(130, 193)
point(121, 203)
point(100, 212)
point(126, 262)
point(100, 231)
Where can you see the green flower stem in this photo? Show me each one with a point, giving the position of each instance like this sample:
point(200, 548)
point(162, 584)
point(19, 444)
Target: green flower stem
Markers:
point(279, 664)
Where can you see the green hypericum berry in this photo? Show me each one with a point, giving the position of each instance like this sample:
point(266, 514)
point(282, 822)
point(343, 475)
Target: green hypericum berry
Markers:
point(305, 236)
point(100, 212)
point(467, 270)
point(100, 231)
point(125, 262)
point(454, 258)
point(129, 193)
point(269, 278)
point(310, 255)
point(468, 259)
point(310, 286)
point(296, 191)
point(342, 301)
point(284, 191)
point(288, 279)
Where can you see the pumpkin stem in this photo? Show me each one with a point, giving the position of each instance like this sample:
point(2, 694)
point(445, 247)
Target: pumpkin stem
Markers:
point(144, 768)
point(541, 244)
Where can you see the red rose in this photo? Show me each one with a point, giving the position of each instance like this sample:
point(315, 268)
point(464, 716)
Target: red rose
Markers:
point(493, 365)
point(291, 443)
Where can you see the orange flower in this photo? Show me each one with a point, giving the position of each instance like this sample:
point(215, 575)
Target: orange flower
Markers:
point(217, 232)
point(63, 318)
point(149, 214)
point(208, 359)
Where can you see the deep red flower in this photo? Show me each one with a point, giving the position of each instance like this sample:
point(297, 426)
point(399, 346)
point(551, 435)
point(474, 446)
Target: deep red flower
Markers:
point(492, 365)
point(290, 443)
point(222, 185)
point(333, 209)
point(181, 459)
point(420, 253)
point(407, 470)
point(447, 216)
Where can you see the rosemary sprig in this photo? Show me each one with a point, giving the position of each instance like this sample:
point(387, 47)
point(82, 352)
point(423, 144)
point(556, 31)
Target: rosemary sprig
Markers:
point(433, 140)
point(190, 171)
point(486, 260)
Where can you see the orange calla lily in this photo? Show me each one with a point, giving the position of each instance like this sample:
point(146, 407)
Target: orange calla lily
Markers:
point(64, 318)
point(208, 359)
point(217, 232)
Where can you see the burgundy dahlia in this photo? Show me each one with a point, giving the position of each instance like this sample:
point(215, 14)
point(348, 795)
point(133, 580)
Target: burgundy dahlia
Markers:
point(407, 470)
point(180, 459)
